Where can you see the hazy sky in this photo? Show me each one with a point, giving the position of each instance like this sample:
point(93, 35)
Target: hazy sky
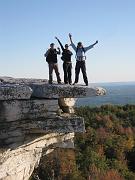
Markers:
point(27, 27)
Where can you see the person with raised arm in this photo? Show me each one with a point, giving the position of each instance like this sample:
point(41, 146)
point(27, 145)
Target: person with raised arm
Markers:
point(80, 59)
point(51, 59)
point(67, 63)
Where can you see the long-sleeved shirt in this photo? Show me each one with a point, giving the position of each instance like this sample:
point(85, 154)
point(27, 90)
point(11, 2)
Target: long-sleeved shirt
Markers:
point(61, 45)
point(81, 51)
point(66, 54)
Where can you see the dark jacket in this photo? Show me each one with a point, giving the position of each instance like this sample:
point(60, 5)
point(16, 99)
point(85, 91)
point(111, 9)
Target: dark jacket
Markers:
point(66, 54)
point(51, 55)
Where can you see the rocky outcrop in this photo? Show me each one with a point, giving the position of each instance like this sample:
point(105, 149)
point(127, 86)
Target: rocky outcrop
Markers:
point(9, 91)
point(35, 118)
point(19, 163)
point(59, 91)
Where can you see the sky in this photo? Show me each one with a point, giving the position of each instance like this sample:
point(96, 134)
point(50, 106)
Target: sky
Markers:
point(27, 27)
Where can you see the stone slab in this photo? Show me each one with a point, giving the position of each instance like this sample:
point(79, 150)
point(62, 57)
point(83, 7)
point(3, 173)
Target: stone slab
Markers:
point(14, 91)
point(14, 132)
point(27, 109)
point(59, 124)
point(64, 91)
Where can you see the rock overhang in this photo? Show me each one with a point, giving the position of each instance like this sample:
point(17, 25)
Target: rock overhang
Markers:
point(11, 89)
point(65, 91)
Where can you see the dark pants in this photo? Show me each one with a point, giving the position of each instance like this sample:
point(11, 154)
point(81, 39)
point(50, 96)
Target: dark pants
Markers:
point(67, 68)
point(81, 65)
point(54, 66)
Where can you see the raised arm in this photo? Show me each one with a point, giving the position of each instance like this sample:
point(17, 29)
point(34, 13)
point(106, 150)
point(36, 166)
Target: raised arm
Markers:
point(70, 37)
point(72, 44)
point(90, 47)
point(60, 43)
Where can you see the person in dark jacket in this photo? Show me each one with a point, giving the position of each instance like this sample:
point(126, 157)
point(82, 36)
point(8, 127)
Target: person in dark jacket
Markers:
point(80, 59)
point(67, 64)
point(51, 59)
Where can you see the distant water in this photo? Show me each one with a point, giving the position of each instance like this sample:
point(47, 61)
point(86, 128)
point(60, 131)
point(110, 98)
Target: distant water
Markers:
point(117, 94)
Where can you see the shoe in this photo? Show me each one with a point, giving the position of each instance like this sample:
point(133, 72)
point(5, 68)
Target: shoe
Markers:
point(74, 83)
point(87, 84)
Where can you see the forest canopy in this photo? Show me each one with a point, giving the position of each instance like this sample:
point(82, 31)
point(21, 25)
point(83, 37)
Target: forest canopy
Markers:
point(106, 151)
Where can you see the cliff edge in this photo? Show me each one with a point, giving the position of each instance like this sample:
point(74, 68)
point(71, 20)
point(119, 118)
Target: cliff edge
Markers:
point(35, 118)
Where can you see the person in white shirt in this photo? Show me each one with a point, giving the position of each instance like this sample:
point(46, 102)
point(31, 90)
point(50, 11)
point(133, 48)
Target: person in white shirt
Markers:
point(80, 59)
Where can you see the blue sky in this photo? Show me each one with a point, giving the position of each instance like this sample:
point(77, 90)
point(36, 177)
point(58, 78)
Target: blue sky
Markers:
point(27, 27)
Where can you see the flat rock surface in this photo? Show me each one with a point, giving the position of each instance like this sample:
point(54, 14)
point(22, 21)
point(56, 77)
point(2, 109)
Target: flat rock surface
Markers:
point(19, 88)
point(10, 80)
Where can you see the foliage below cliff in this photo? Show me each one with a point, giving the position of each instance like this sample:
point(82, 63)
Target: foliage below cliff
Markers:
point(105, 152)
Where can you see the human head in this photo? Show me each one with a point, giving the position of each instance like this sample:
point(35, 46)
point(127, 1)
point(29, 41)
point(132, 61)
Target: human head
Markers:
point(52, 45)
point(79, 45)
point(66, 46)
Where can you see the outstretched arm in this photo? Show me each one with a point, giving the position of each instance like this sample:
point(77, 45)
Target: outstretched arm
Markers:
point(72, 44)
point(60, 43)
point(91, 46)
point(95, 43)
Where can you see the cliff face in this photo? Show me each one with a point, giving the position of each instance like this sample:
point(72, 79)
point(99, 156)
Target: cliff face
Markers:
point(36, 118)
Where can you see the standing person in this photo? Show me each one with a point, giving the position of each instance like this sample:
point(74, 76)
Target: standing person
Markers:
point(67, 64)
point(51, 59)
point(80, 59)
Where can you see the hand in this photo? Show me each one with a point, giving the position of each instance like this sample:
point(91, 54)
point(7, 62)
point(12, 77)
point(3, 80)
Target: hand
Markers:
point(58, 48)
point(56, 38)
point(70, 35)
point(96, 42)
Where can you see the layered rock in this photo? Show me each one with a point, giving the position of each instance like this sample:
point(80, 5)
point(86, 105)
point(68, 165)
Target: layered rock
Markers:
point(36, 118)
